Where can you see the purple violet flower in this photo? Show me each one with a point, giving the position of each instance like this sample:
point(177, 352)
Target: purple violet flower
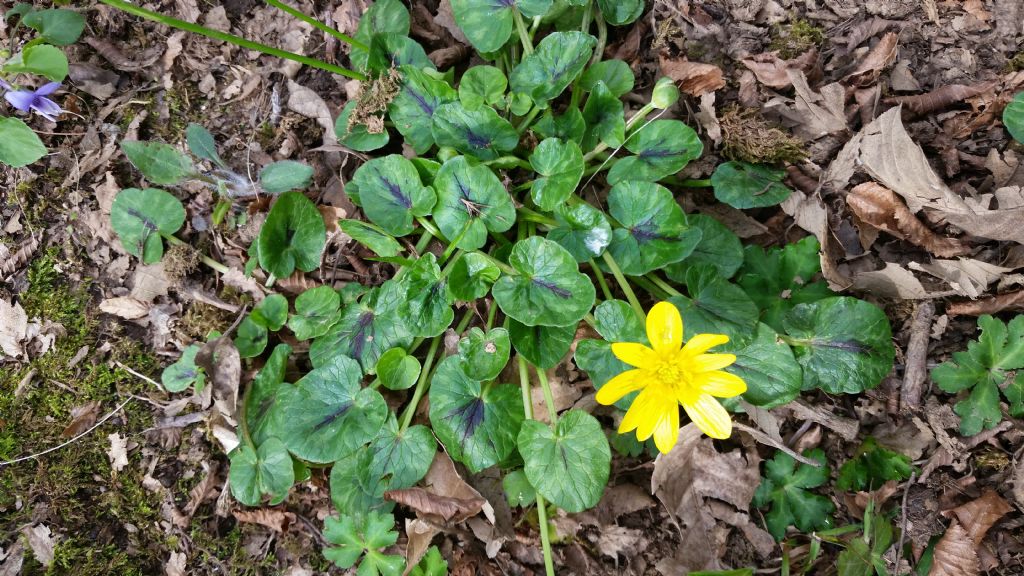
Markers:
point(34, 100)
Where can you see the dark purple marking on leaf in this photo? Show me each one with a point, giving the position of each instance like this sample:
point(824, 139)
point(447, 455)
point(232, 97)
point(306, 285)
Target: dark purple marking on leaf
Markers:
point(557, 73)
point(396, 192)
point(359, 338)
point(645, 232)
point(330, 418)
point(554, 288)
point(468, 417)
point(500, 4)
point(655, 151)
point(477, 141)
point(844, 345)
point(427, 107)
point(146, 222)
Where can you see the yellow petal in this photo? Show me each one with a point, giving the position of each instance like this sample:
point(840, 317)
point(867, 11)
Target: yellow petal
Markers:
point(709, 362)
point(720, 384)
point(710, 417)
point(701, 343)
point(634, 354)
point(647, 407)
point(658, 413)
point(666, 432)
point(617, 387)
point(665, 327)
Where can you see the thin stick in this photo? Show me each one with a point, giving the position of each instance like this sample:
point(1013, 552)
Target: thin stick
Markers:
point(903, 522)
point(766, 439)
point(137, 375)
point(71, 441)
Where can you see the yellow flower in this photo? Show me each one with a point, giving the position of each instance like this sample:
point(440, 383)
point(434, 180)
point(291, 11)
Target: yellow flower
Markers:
point(671, 374)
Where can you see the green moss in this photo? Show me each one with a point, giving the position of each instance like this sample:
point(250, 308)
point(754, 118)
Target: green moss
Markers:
point(797, 38)
point(1016, 63)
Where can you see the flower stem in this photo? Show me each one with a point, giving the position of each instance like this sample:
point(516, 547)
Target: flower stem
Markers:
point(651, 288)
point(549, 398)
point(542, 513)
point(527, 120)
point(421, 384)
point(319, 25)
point(602, 37)
point(429, 227)
point(624, 284)
point(668, 288)
point(524, 34)
point(231, 38)
point(424, 241)
point(599, 274)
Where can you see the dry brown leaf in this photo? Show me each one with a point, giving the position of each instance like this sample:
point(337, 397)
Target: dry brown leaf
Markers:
point(693, 78)
point(13, 560)
point(443, 479)
point(619, 540)
point(980, 514)
point(82, 417)
point(708, 119)
point(811, 114)
point(125, 307)
point(941, 97)
point(419, 534)
point(810, 213)
point(773, 71)
point(273, 518)
point(223, 366)
point(968, 277)
point(879, 207)
point(893, 281)
point(430, 505)
point(308, 103)
point(1010, 301)
point(1018, 482)
point(877, 59)
point(13, 329)
point(15, 261)
point(955, 554)
point(42, 543)
point(177, 564)
point(118, 452)
point(331, 216)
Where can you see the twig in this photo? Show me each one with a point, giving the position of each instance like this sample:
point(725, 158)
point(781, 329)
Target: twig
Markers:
point(137, 375)
point(903, 521)
point(58, 447)
point(916, 371)
point(766, 439)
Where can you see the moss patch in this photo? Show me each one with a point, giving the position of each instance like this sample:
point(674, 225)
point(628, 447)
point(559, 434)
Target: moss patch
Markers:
point(797, 38)
point(747, 136)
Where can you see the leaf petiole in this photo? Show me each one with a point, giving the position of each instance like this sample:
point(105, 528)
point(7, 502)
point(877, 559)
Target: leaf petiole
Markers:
point(624, 285)
point(421, 385)
point(524, 34)
point(542, 513)
point(210, 262)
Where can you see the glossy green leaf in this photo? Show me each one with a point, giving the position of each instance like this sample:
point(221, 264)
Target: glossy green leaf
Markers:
point(327, 415)
point(518, 490)
point(616, 321)
point(432, 564)
point(482, 85)
point(621, 12)
point(41, 59)
point(486, 23)
point(718, 247)
point(484, 354)
point(616, 75)
point(179, 376)
point(139, 217)
point(316, 310)
point(427, 309)
point(364, 533)
point(358, 137)
point(716, 306)
point(262, 413)
point(780, 278)
point(767, 365)
point(472, 276)
point(558, 59)
point(293, 236)
point(480, 132)
point(265, 471)
point(534, 8)
point(271, 312)
point(56, 26)
point(413, 108)
point(786, 488)
point(388, 51)
point(1013, 117)
point(872, 466)
point(654, 231)
point(569, 126)
point(382, 17)
point(371, 236)
point(202, 144)
point(745, 185)
point(251, 338)
point(569, 465)
point(560, 168)
point(543, 346)
point(19, 145)
point(477, 425)
point(549, 289)
point(397, 370)
point(606, 121)
point(285, 175)
point(843, 344)
point(582, 230)
point(160, 163)
point(367, 328)
point(470, 202)
point(391, 193)
point(662, 148)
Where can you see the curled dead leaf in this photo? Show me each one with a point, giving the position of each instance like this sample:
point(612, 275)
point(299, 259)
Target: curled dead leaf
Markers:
point(879, 207)
point(980, 514)
point(773, 71)
point(955, 554)
point(693, 78)
point(1010, 301)
point(941, 97)
point(125, 307)
point(428, 504)
point(276, 520)
point(82, 417)
point(877, 59)
point(443, 479)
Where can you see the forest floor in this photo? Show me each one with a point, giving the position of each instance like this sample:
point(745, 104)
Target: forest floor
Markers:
point(794, 81)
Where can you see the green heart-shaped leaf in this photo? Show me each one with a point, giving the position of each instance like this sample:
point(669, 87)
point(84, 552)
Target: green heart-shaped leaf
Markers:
point(271, 312)
point(477, 426)
point(470, 202)
point(251, 338)
point(326, 415)
point(20, 146)
point(1013, 117)
point(480, 132)
point(616, 75)
point(293, 236)
point(139, 217)
point(745, 185)
point(41, 59)
point(183, 373)
point(616, 321)
point(568, 126)
point(662, 148)
point(160, 163)
point(482, 86)
point(267, 470)
point(844, 344)
point(397, 370)
point(316, 310)
point(518, 490)
point(582, 230)
point(767, 365)
point(716, 306)
point(382, 17)
point(472, 276)
point(261, 402)
point(780, 278)
point(358, 136)
point(560, 165)
point(605, 119)
point(543, 346)
point(621, 12)
point(484, 354)
point(367, 328)
point(373, 237)
point(718, 247)
point(557, 61)
point(653, 232)
point(57, 26)
point(486, 23)
point(427, 310)
point(285, 175)
point(388, 51)
point(570, 464)
point(391, 193)
point(549, 289)
point(413, 108)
